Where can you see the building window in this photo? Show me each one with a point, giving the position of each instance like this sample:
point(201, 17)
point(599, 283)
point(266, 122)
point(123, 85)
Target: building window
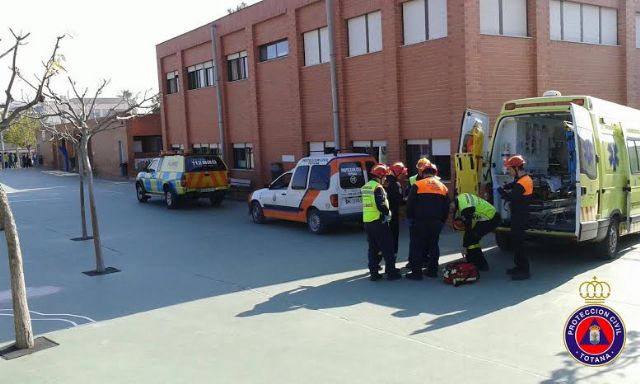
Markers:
point(436, 150)
point(147, 144)
point(237, 65)
point(316, 46)
point(365, 34)
point(503, 17)
point(637, 30)
point(321, 147)
point(243, 156)
point(172, 82)
point(424, 20)
point(274, 50)
point(377, 149)
point(200, 75)
point(583, 23)
point(206, 149)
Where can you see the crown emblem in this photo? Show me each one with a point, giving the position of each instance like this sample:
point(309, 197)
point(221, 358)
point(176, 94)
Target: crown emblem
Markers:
point(595, 292)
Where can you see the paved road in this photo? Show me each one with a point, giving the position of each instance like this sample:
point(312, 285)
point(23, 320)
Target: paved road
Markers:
point(207, 296)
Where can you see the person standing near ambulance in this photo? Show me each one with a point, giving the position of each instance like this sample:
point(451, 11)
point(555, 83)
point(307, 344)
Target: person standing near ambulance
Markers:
point(376, 216)
point(395, 197)
point(427, 211)
point(519, 194)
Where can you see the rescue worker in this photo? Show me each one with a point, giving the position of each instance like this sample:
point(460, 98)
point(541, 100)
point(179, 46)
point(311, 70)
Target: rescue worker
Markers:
point(427, 212)
point(419, 166)
point(395, 197)
point(376, 217)
point(477, 217)
point(518, 193)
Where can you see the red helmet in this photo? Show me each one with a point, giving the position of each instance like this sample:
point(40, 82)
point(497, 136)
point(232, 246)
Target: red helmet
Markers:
point(421, 163)
point(458, 224)
point(515, 161)
point(380, 170)
point(398, 168)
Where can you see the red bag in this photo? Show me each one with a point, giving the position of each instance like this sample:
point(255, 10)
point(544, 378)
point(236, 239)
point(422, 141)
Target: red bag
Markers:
point(460, 273)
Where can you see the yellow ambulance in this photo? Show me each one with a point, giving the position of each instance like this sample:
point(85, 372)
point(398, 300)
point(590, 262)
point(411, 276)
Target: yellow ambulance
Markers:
point(583, 155)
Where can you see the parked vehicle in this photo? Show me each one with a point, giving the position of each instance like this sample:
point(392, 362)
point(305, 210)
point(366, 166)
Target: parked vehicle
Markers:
point(179, 177)
point(583, 155)
point(320, 191)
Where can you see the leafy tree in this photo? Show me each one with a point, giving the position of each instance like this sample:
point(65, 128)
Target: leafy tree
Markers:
point(22, 132)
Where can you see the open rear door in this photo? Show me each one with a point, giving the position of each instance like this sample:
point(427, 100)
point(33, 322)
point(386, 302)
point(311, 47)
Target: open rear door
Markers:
point(586, 171)
point(473, 149)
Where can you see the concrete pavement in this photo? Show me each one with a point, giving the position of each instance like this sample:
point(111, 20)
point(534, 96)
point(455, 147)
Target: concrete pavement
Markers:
point(207, 296)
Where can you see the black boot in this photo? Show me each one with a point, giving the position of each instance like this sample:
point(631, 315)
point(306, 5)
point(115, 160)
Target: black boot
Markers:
point(520, 275)
point(393, 274)
point(414, 275)
point(375, 276)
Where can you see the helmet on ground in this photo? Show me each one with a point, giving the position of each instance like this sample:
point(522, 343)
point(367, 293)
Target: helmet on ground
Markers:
point(398, 168)
point(458, 224)
point(515, 161)
point(421, 163)
point(380, 170)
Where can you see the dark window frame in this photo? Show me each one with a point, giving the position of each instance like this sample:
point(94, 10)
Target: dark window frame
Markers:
point(315, 177)
point(172, 84)
point(247, 156)
point(443, 162)
point(263, 50)
point(238, 68)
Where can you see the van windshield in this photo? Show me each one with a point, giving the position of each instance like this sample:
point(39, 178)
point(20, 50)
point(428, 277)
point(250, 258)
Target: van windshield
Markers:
point(204, 163)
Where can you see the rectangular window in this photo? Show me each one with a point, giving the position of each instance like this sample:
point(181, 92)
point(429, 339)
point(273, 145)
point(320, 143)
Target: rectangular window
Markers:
point(320, 177)
point(424, 20)
point(365, 34)
point(321, 147)
point(200, 75)
point(274, 50)
point(503, 17)
point(436, 150)
point(316, 46)
point(206, 149)
point(637, 30)
point(237, 66)
point(172, 82)
point(583, 23)
point(377, 149)
point(351, 176)
point(147, 144)
point(299, 180)
point(632, 146)
point(243, 156)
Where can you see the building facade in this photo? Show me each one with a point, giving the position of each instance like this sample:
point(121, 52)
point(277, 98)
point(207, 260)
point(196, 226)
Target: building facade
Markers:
point(406, 71)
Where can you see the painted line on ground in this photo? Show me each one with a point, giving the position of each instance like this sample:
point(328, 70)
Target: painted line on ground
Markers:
point(28, 200)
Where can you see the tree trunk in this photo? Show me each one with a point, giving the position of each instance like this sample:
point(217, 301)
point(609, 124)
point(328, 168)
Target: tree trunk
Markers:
point(21, 317)
point(92, 206)
point(82, 208)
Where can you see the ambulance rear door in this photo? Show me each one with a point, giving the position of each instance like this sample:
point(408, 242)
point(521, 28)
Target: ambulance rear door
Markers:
point(587, 180)
point(471, 161)
point(351, 178)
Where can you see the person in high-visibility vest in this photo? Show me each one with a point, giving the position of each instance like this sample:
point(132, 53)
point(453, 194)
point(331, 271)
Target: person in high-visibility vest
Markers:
point(376, 217)
point(395, 196)
point(519, 194)
point(419, 166)
point(427, 213)
point(477, 217)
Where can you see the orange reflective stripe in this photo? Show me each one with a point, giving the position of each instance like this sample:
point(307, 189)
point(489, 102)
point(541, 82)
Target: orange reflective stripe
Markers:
point(432, 185)
point(527, 184)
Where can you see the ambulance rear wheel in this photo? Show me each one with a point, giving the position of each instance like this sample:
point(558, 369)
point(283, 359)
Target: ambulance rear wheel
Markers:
point(170, 198)
point(503, 241)
point(257, 215)
point(315, 223)
point(608, 248)
point(141, 193)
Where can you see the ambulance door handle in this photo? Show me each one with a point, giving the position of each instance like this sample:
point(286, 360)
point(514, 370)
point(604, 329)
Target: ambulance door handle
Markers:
point(284, 194)
point(583, 190)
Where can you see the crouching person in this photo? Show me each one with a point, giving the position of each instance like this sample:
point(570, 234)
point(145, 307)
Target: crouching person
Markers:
point(478, 218)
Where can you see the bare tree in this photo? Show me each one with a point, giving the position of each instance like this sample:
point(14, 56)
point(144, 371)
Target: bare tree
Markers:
point(78, 127)
point(22, 319)
point(238, 7)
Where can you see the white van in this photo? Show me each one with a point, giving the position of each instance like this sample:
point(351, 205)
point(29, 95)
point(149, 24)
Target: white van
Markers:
point(320, 191)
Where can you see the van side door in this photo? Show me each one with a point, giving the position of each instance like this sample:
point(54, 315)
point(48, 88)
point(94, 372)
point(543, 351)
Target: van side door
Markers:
point(633, 151)
point(351, 178)
point(612, 170)
point(297, 189)
point(587, 179)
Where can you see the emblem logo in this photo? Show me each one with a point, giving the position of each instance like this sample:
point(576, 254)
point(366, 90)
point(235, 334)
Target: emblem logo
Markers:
point(353, 179)
point(594, 334)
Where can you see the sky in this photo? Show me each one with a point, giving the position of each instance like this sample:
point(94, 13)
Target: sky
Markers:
point(113, 40)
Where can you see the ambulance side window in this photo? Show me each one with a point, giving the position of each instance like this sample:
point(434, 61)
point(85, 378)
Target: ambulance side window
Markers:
point(300, 177)
point(587, 153)
point(351, 176)
point(153, 167)
point(281, 182)
point(320, 177)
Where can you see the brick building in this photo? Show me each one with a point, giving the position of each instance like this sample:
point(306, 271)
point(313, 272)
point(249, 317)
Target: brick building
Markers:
point(134, 141)
point(406, 71)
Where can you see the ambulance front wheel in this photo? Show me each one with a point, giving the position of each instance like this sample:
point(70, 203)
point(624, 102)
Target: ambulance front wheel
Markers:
point(503, 241)
point(141, 194)
point(608, 248)
point(170, 198)
point(315, 222)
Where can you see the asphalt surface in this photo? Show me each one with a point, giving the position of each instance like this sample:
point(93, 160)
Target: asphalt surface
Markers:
point(205, 295)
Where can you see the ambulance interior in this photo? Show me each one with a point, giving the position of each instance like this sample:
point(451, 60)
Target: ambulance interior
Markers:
point(546, 145)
